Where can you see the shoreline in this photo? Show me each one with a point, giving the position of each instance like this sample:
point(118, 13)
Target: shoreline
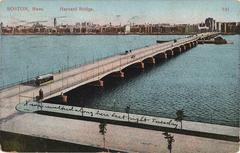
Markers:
point(94, 34)
point(107, 34)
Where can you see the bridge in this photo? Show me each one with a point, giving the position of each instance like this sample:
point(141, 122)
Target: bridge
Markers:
point(85, 132)
point(110, 66)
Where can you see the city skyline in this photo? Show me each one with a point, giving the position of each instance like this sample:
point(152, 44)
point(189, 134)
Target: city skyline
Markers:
point(127, 11)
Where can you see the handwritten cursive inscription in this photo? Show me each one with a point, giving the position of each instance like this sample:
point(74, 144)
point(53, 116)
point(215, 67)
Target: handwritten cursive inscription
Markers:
point(103, 114)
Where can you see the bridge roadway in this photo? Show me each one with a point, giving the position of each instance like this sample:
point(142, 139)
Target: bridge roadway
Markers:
point(53, 127)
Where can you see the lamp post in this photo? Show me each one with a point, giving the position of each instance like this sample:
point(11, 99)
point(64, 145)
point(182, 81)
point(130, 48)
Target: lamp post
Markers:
point(127, 109)
point(68, 62)
point(114, 103)
point(62, 77)
point(27, 74)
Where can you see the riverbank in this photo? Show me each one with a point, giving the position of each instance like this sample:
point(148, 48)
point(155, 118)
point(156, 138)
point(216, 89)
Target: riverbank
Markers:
point(65, 34)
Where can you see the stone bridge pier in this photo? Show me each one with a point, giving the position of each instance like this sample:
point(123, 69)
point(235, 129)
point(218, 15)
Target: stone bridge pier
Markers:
point(160, 57)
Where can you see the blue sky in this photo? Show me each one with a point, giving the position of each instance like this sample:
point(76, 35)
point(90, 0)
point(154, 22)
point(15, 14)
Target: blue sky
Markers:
point(122, 11)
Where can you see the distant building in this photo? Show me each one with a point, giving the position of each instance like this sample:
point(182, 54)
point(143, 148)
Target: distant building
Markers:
point(210, 23)
point(191, 28)
point(224, 28)
point(90, 28)
point(218, 26)
point(71, 29)
point(127, 28)
point(238, 28)
point(202, 28)
point(78, 24)
point(231, 27)
point(213, 25)
point(54, 22)
point(1, 27)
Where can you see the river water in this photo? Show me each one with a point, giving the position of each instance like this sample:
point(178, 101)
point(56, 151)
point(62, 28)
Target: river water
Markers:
point(204, 81)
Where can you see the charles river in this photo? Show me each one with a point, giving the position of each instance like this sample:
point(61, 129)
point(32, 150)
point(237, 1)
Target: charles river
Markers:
point(204, 81)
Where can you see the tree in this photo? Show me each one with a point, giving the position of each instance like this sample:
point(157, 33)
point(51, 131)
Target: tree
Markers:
point(170, 140)
point(103, 130)
point(180, 116)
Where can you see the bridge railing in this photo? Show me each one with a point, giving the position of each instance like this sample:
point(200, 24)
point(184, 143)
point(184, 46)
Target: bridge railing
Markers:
point(4, 86)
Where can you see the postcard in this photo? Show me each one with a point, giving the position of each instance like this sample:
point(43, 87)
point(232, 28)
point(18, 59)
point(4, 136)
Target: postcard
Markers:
point(119, 76)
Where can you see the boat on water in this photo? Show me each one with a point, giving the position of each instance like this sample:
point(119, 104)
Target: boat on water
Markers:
point(219, 40)
point(216, 40)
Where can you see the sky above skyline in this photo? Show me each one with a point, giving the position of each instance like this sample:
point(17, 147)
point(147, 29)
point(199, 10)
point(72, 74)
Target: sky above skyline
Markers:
point(119, 11)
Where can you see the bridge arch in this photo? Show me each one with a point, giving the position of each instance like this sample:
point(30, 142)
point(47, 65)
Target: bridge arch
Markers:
point(176, 50)
point(169, 53)
point(161, 56)
point(149, 60)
